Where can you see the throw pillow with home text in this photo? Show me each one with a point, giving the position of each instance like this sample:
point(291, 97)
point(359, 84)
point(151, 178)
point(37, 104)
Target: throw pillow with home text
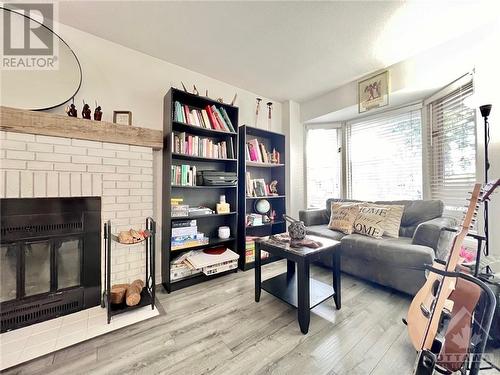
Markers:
point(370, 221)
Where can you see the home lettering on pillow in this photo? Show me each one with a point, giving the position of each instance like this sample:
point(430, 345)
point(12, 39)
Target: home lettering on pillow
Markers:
point(370, 221)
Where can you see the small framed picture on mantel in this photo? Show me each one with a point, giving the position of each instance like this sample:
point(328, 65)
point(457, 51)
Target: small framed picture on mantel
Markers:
point(122, 117)
point(373, 92)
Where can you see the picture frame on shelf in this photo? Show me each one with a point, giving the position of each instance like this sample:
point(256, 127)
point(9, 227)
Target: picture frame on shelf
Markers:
point(122, 117)
point(373, 92)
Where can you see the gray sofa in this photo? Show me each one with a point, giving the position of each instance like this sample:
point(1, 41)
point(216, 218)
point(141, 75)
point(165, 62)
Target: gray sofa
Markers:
point(393, 262)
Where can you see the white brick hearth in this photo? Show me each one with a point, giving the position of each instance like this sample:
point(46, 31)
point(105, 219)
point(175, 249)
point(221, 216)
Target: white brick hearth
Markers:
point(42, 166)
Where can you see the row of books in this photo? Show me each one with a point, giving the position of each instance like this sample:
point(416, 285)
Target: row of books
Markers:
point(256, 187)
point(194, 145)
point(210, 117)
point(209, 262)
point(250, 250)
point(183, 175)
point(256, 151)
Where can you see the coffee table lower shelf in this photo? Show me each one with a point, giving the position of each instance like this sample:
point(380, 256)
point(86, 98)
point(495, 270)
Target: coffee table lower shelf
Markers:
point(285, 289)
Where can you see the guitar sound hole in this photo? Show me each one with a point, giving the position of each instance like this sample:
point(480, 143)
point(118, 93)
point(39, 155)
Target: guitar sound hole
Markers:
point(435, 287)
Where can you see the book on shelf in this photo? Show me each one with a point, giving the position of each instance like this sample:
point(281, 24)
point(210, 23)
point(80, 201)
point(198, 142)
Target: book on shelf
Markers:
point(258, 187)
point(183, 175)
point(256, 151)
point(250, 250)
point(210, 117)
point(184, 223)
point(187, 243)
point(180, 211)
point(196, 211)
point(193, 145)
point(184, 231)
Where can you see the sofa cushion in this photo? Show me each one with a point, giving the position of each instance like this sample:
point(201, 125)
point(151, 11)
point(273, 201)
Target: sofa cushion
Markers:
point(343, 216)
point(370, 221)
point(329, 202)
point(393, 220)
point(418, 211)
point(394, 252)
point(324, 231)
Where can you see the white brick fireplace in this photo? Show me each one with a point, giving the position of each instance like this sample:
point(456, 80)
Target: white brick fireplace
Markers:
point(34, 166)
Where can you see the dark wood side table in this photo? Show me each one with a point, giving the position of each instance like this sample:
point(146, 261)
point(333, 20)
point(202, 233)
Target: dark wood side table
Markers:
point(298, 289)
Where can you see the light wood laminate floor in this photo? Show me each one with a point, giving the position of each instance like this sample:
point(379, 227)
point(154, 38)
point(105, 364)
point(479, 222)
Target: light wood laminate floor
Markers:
point(218, 328)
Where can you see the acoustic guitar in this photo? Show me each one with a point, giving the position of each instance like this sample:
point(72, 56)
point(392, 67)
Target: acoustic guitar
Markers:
point(433, 306)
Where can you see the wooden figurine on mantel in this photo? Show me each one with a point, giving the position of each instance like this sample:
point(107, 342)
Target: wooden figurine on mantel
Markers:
point(86, 111)
point(97, 112)
point(71, 109)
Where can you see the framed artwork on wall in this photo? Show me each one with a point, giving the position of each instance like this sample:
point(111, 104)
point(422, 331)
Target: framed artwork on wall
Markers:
point(122, 117)
point(373, 92)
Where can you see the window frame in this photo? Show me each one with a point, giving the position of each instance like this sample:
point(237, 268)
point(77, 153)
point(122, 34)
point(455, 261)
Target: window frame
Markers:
point(340, 142)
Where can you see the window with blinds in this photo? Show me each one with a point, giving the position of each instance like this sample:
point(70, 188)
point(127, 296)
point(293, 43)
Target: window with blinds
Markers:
point(384, 157)
point(323, 166)
point(452, 143)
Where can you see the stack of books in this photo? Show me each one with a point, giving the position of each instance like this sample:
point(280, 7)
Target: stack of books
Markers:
point(193, 145)
point(183, 175)
point(210, 117)
point(250, 250)
point(185, 235)
point(179, 209)
point(256, 151)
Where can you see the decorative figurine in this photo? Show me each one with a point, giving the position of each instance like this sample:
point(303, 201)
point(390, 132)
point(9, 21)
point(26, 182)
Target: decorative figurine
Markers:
point(86, 111)
point(272, 215)
point(296, 228)
point(275, 157)
point(234, 98)
point(220, 100)
point(97, 112)
point(257, 108)
point(71, 109)
point(270, 108)
point(273, 187)
point(195, 91)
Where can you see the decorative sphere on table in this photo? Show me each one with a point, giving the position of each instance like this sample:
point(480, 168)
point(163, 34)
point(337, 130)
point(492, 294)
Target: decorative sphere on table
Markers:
point(262, 206)
point(296, 228)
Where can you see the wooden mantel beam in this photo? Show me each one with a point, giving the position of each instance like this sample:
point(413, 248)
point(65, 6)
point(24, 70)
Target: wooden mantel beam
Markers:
point(43, 123)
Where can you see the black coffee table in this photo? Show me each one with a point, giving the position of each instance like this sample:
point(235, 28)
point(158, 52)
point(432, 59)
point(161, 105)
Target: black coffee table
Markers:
point(298, 288)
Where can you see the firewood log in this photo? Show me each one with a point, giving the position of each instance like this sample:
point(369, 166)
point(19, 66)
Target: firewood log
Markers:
point(133, 293)
point(118, 293)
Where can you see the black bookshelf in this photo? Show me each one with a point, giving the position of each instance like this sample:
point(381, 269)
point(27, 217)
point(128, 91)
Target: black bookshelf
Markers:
point(268, 172)
point(196, 195)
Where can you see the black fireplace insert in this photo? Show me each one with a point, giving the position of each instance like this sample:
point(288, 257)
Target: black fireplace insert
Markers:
point(50, 258)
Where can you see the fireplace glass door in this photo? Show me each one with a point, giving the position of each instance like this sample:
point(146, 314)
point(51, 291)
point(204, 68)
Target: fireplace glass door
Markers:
point(8, 272)
point(68, 254)
point(37, 267)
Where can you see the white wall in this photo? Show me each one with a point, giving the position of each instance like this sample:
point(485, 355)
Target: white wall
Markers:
point(295, 147)
point(120, 78)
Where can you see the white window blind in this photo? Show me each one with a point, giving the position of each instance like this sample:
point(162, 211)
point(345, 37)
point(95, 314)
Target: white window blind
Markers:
point(452, 143)
point(323, 166)
point(384, 156)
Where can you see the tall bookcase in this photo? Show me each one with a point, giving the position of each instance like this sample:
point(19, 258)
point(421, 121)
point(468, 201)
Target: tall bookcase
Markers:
point(207, 196)
point(259, 170)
